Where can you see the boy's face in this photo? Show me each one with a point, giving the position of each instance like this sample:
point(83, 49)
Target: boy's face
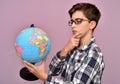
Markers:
point(80, 24)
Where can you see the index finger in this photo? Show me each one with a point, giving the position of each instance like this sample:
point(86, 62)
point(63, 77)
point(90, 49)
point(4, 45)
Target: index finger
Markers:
point(77, 35)
point(43, 61)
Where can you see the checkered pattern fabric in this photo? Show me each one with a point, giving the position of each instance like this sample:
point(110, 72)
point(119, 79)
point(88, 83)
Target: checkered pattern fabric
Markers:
point(80, 66)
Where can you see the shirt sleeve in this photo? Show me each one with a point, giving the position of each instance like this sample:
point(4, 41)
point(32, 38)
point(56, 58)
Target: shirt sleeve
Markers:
point(57, 65)
point(84, 75)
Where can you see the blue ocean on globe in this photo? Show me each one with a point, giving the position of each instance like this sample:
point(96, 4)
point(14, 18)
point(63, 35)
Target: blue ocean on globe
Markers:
point(32, 44)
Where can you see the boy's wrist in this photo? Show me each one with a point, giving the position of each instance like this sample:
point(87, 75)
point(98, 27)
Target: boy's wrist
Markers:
point(45, 76)
point(59, 55)
point(49, 78)
point(64, 52)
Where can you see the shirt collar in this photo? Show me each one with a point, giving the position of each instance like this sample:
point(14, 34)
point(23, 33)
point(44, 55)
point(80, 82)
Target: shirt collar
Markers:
point(85, 47)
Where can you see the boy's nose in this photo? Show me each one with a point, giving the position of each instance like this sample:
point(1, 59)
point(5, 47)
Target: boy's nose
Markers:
point(73, 25)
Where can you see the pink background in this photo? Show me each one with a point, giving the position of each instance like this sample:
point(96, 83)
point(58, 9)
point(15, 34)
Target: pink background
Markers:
point(52, 16)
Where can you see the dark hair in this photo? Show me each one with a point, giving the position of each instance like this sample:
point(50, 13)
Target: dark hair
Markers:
point(89, 10)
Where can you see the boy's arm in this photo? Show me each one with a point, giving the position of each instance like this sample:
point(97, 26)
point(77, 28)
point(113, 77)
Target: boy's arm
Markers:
point(57, 65)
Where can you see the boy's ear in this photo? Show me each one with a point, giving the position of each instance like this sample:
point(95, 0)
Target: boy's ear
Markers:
point(92, 24)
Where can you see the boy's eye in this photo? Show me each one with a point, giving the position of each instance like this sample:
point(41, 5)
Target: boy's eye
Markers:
point(77, 21)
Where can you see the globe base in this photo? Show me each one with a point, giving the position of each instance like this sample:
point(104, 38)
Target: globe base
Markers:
point(27, 75)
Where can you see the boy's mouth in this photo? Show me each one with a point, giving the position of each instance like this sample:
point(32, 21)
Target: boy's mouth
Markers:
point(74, 32)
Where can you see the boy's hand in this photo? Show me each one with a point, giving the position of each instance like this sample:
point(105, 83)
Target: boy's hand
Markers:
point(72, 43)
point(38, 71)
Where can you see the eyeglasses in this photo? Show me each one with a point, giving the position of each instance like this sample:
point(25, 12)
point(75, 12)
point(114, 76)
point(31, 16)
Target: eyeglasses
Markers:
point(77, 21)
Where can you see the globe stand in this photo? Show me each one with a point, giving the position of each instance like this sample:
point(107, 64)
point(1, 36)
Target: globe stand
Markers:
point(27, 75)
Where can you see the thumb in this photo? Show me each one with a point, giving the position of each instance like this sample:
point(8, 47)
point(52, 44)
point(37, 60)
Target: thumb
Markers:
point(43, 62)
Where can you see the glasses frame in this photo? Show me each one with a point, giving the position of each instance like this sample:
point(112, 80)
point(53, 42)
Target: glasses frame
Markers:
point(77, 21)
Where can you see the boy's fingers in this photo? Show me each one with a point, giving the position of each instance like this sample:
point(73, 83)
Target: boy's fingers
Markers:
point(77, 35)
point(28, 64)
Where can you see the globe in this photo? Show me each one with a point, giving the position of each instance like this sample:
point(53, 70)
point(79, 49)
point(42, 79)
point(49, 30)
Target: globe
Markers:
point(32, 44)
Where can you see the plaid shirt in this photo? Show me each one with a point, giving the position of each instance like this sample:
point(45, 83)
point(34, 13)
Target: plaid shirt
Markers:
point(80, 66)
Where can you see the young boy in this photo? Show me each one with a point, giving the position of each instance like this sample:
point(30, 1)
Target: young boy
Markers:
point(81, 60)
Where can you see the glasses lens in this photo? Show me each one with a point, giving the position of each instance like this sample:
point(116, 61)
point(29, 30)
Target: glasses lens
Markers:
point(70, 22)
point(76, 21)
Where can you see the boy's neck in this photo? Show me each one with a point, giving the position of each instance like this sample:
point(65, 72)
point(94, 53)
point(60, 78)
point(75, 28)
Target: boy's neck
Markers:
point(85, 39)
